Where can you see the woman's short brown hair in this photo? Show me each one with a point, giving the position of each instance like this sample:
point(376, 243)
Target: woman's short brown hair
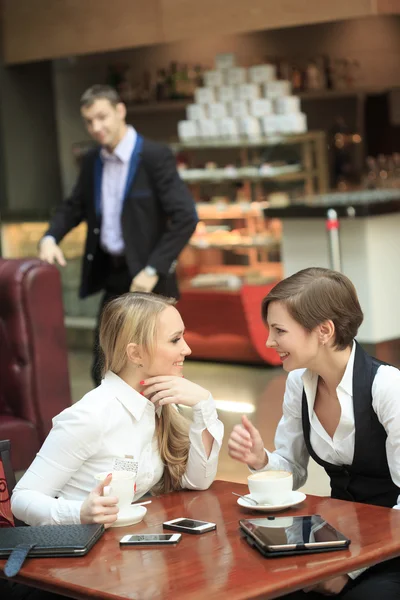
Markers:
point(315, 295)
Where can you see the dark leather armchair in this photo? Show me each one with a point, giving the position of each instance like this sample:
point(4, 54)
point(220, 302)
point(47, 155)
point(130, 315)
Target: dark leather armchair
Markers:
point(34, 381)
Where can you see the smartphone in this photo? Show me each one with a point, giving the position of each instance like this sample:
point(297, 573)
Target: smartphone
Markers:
point(189, 525)
point(276, 536)
point(150, 539)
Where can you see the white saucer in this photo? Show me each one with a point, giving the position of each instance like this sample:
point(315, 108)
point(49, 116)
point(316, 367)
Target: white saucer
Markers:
point(130, 516)
point(295, 498)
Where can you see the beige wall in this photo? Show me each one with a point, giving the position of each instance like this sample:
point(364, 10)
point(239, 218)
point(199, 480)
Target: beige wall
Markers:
point(43, 29)
point(375, 42)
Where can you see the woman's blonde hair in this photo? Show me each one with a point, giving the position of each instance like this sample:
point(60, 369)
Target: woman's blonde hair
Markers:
point(133, 318)
point(315, 295)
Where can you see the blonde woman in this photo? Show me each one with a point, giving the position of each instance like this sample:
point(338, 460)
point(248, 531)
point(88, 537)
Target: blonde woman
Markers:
point(132, 413)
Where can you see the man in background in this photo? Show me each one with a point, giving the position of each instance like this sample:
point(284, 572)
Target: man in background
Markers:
point(139, 213)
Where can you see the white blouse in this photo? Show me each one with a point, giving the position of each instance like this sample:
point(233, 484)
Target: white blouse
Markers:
point(110, 422)
point(291, 452)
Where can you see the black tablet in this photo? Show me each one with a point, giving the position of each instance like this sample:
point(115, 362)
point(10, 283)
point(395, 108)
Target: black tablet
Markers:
point(284, 536)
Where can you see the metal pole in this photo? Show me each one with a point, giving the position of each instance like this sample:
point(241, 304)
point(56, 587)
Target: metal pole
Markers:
point(332, 227)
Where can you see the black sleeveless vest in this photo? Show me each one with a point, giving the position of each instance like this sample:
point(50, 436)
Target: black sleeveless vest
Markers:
point(368, 478)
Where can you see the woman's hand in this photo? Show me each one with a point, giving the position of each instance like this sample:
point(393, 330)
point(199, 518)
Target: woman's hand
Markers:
point(98, 508)
point(173, 390)
point(245, 445)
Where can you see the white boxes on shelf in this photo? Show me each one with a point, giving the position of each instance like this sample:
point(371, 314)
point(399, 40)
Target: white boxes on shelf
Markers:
point(274, 89)
point(187, 130)
point(194, 112)
point(236, 76)
point(249, 126)
point(284, 124)
point(228, 127)
point(270, 124)
point(262, 73)
point(298, 122)
point(203, 95)
point(287, 104)
point(217, 110)
point(248, 91)
point(213, 78)
point(260, 107)
point(225, 61)
point(226, 93)
point(238, 109)
point(208, 128)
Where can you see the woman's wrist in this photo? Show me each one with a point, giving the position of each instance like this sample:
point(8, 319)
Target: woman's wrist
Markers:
point(206, 398)
point(261, 463)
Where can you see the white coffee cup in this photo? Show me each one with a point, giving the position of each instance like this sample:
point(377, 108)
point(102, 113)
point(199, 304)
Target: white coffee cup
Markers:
point(122, 485)
point(270, 487)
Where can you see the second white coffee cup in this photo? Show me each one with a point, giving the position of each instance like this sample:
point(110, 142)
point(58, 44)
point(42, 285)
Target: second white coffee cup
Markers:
point(270, 487)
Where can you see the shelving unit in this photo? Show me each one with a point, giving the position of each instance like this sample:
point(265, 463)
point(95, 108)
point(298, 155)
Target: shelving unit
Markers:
point(180, 105)
point(313, 169)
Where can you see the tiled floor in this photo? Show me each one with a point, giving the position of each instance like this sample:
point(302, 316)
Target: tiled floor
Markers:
point(258, 391)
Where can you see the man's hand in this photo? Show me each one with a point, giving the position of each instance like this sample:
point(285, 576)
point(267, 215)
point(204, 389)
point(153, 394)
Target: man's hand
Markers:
point(143, 282)
point(50, 252)
point(330, 587)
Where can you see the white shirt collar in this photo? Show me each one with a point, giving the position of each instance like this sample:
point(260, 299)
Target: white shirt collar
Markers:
point(123, 151)
point(134, 402)
point(346, 384)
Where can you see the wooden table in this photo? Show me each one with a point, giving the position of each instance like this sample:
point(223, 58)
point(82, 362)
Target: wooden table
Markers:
point(218, 564)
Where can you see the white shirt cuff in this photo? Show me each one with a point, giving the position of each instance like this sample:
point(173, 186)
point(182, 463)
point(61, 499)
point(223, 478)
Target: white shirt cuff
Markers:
point(205, 413)
point(67, 512)
point(355, 574)
point(272, 464)
point(205, 416)
point(47, 237)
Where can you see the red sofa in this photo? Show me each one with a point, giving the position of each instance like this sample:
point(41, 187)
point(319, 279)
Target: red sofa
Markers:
point(34, 380)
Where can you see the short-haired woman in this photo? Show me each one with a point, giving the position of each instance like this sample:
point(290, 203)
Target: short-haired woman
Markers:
point(341, 406)
point(132, 413)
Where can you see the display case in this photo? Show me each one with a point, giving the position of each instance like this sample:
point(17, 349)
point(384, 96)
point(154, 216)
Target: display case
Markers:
point(234, 255)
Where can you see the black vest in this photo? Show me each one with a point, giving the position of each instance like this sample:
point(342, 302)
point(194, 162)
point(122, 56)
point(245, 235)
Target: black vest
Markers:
point(368, 478)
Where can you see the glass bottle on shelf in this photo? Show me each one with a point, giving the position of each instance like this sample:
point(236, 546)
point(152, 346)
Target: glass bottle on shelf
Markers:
point(314, 76)
point(199, 75)
point(284, 70)
point(339, 81)
point(297, 79)
point(343, 164)
point(327, 68)
point(161, 85)
point(172, 81)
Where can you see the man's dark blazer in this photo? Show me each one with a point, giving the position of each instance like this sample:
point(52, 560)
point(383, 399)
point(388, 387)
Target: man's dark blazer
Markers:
point(158, 217)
